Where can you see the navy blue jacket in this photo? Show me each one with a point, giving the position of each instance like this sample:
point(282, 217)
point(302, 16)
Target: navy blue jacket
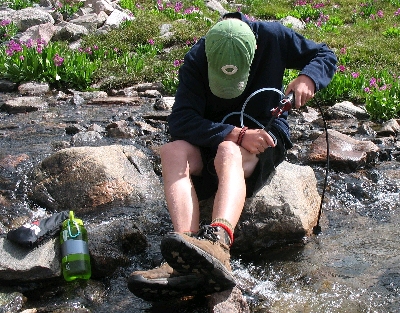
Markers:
point(197, 113)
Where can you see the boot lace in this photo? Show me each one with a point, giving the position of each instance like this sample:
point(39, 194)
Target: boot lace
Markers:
point(208, 232)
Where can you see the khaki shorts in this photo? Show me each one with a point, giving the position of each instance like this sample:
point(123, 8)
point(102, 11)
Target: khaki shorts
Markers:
point(206, 185)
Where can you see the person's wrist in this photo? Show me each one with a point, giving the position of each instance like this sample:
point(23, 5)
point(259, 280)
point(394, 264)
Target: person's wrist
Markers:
point(241, 135)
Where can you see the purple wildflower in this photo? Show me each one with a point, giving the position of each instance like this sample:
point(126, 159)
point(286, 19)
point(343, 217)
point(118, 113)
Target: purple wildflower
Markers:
point(58, 61)
point(5, 22)
point(355, 74)
point(151, 41)
point(178, 6)
point(13, 47)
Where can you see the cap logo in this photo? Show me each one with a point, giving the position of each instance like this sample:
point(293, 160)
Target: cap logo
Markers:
point(229, 69)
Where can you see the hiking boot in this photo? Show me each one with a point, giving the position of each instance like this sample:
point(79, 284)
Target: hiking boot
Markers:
point(163, 283)
point(206, 253)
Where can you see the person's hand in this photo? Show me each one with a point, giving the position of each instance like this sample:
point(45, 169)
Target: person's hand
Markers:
point(257, 141)
point(303, 88)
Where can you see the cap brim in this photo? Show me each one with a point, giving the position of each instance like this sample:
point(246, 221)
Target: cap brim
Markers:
point(226, 88)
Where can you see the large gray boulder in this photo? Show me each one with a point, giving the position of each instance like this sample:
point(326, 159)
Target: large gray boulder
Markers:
point(284, 211)
point(83, 178)
point(29, 17)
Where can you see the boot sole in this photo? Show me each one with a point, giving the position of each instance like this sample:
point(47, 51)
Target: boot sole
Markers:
point(162, 289)
point(188, 258)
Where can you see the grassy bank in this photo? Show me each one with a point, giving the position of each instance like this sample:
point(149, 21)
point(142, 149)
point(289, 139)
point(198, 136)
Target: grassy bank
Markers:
point(365, 34)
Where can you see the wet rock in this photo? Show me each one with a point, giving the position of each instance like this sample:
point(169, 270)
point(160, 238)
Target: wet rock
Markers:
point(22, 264)
point(151, 94)
point(134, 101)
point(231, 301)
point(11, 302)
point(10, 162)
point(389, 128)
point(77, 100)
point(111, 244)
point(85, 138)
point(7, 86)
point(74, 129)
point(164, 103)
point(344, 152)
point(84, 178)
point(24, 105)
point(90, 95)
point(120, 129)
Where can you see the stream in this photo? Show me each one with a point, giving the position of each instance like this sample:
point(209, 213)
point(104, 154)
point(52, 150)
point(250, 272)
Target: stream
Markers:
point(353, 266)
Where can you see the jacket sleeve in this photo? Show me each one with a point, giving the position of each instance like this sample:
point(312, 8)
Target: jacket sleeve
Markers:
point(187, 121)
point(315, 60)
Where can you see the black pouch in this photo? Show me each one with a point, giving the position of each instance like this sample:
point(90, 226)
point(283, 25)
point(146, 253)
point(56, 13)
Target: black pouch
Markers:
point(33, 234)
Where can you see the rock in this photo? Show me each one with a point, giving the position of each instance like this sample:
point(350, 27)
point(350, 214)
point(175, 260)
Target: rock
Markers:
point(85, 138)
point(43, 32)
point(33, 89)
point(12, 302)
point(120, 129)
point(69, 32)
point(344, 152)
point(231, 301)
point(7, 85)
point(112, 243)
point(389, 128)
point(283, 211)
point(10, 162)
point(24, 105)
point(83, 178)
point(346, 109)
point(90, 21)
point(215, 5)
point(293, 22)
point(21, 264)
point(133, 101)
point(29, 17)
point(116, 18)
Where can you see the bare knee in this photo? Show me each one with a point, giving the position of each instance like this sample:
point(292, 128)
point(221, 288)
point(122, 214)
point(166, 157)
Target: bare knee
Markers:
point(228, 152)
point(181, 153)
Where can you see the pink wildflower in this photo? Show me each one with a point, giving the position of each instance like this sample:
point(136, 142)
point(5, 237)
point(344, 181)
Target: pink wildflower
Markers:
point(5, 22)
point(58, 61)
point(355, 74)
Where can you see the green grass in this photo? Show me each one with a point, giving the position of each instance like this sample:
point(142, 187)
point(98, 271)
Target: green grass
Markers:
point(363, 33)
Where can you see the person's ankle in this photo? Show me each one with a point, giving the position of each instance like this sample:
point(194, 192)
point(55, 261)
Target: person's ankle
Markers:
point(225, 232)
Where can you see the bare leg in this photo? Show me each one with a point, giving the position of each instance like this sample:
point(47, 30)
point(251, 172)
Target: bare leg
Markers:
point(232, 164)
point(179, 160)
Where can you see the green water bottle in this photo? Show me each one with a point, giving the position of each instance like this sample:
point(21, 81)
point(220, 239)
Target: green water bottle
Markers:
point(75, 262)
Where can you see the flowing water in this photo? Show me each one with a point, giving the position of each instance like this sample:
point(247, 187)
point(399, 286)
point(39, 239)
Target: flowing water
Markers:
point(353, 266)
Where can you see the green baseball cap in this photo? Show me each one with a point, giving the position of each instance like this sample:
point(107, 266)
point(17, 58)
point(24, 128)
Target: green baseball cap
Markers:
point(230, 46)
